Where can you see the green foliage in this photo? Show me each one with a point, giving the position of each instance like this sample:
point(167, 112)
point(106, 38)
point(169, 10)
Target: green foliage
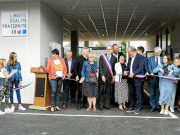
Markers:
point(123, 44)
point(101, 44)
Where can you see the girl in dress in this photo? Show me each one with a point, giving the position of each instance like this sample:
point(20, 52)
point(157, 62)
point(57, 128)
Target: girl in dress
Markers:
point(165, 85)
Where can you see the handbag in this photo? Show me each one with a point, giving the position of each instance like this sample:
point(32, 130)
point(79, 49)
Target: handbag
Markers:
point(92, 79)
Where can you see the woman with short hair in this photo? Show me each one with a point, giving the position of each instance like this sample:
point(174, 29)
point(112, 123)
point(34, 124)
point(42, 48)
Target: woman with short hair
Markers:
point(57, 70)
point(89, 76)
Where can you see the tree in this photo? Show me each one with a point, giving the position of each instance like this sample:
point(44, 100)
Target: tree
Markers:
point(123, 44)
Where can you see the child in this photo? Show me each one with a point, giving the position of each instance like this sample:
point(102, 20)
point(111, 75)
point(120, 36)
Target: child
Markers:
point(4, 86)
point(165, 85)
point(174, 67)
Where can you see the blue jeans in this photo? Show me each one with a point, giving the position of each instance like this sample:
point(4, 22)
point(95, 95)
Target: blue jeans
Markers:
point(15, 83)
point(154, 94)
point(55, 91)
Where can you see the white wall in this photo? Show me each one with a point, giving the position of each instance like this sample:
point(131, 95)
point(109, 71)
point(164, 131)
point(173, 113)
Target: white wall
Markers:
point(51, 30)
point(175, 38)
point(44, 26)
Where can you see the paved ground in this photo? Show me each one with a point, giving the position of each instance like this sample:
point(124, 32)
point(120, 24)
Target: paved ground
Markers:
point(73, 122)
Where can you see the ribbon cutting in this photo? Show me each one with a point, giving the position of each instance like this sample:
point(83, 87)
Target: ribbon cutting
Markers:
point(22, 87)
point(57, 75)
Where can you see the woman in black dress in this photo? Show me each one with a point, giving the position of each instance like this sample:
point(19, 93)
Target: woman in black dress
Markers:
point(89, 79)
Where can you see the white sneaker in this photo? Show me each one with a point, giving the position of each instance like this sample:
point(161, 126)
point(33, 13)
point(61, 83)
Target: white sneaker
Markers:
point(166, 112)
point(21, 108)
point(2, 113)
point(8, 110)
point(172, 109)
point(162, 112)
point(13, 108)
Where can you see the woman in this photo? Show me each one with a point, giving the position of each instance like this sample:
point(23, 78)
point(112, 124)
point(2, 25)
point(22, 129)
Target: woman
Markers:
point(165, 85)
point(121, 86)
point(16, 79)
point(4, 86)
point(89, 77)
point(57, 70)
point(174, 67)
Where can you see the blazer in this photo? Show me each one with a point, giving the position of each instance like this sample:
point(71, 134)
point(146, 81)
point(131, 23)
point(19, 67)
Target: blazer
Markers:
point(72, 66)
point(151, 67)
point(86, 69)
point(17, 75)
point(51, 68)
point(137, 68)
point(104, 71)
point(78, 65)
point(118, 70)
point(145, 65)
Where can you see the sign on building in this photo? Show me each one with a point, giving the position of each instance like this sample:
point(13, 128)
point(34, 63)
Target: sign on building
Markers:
point(14, 23)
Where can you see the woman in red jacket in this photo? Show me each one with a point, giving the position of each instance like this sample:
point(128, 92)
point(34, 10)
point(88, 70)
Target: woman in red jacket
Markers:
point(57, 70)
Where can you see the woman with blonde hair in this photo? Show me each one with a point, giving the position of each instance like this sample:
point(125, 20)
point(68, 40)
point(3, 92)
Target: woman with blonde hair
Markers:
point(16, 79)
point(4, 86)
point(89, 75)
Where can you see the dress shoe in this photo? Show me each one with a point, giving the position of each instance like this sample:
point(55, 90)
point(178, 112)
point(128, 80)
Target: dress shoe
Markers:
point(64, 106)
point(106, 108)
point(158, 109)
point(73, 104)
point(130, 110)
point(152, 110)
point(137, 111)
point(78, 107)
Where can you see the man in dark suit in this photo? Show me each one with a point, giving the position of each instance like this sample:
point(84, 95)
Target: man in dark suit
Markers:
point(106, 77)
point(77, 69)
point(153, 62)
point(135, 66)
point(69, 84)
point(140, 50)
point(116, 52)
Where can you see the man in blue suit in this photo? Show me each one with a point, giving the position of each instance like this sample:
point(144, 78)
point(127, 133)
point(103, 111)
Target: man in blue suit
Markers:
point(153, 62)
point(135, 66)
point(140, 50)
point(68, 84)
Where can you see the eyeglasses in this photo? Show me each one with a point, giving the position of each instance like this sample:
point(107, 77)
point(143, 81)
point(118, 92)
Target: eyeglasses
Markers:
point(108, 49)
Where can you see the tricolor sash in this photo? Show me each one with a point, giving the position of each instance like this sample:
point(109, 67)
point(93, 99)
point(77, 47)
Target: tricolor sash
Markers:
point(109, 66)
point(120, 78)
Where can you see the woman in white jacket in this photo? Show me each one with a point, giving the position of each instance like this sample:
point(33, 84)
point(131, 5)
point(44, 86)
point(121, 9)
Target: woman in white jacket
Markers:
point(121, 86)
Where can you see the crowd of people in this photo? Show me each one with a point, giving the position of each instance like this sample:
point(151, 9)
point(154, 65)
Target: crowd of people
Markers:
point(112, 80)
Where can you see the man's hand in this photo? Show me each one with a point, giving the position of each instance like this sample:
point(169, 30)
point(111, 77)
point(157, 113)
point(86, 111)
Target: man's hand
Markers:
point(125, 73)
point(82, 80)
point(103, 78)
point(77, 78)
point(113, 80)
point(131, 75)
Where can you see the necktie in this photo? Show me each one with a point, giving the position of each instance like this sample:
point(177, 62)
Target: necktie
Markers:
point(109, 57)
point(156, 62)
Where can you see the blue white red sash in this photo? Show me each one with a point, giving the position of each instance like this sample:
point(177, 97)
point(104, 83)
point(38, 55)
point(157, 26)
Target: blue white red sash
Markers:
point(164, 77)
point(109, 66)
point(120, 78)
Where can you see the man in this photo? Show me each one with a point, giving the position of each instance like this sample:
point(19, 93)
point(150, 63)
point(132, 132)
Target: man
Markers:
point(140, 50)
point(135, 66)
point(153, 62)
point(116, 52)
point(106, 77)
point(77, 69)
point(69, 84)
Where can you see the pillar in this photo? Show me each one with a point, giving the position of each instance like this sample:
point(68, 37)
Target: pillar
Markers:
point(74, 44)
